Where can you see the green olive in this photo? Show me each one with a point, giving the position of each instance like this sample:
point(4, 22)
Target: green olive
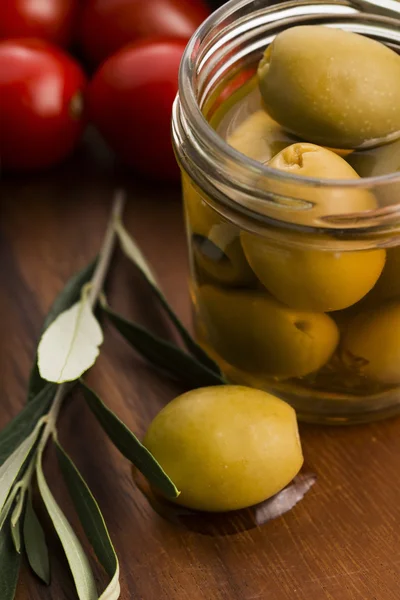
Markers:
point(312, 279)
point(315, 280)
point(259, 137)
point(310, 204)
point(309, 160)
point(216, 243)
point(332, 87)
point(226, 447)
point(371, 344)
point(254, 332)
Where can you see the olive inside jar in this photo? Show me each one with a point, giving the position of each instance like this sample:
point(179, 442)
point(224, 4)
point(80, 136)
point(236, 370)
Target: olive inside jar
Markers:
point(291, 185)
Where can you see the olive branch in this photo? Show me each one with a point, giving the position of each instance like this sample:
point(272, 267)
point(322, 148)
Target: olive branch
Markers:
point(68, 347)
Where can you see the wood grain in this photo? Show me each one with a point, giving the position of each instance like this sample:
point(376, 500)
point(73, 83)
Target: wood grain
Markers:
point(342, 542)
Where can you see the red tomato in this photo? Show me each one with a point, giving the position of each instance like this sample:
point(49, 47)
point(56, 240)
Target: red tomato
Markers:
point(108, 25)
point(130, 100)
point(40, 104)
point(51, 20)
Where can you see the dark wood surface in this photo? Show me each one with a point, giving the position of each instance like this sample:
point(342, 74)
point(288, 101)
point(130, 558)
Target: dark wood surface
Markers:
point(342, 542)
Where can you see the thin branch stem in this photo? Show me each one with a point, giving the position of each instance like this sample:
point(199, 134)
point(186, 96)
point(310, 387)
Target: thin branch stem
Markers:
point(96, 287)
point(106, 251)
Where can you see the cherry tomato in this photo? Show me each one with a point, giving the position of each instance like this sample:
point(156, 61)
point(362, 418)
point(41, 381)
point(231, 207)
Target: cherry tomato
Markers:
point(130, 100)
point(41, 116)
point(51, 20)
point(108, 25)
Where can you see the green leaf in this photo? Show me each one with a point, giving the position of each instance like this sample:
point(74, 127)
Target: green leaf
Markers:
point(91, 519)
point(25, 421)
point(70, 346)
point(164, 354)
point(133, 252)
point(36, 383)
point(65, 299)
point(19, 507)
point(77, 559)
point(35, 543)
point(88, 511)
point(187, 339)
point(8, 505)
point(113, 590)
point(15, 519)
point(16, 536)
point(10, 562)
point(11, 467)
point(129, 445)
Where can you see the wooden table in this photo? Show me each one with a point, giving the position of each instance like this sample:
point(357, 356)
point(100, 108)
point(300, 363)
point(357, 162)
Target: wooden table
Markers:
point(342, 542)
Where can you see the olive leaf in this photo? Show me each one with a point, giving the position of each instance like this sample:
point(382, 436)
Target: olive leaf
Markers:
point(70, 345)
point(15, 519)
point(164, 354)
point(16, 536)
point(133, 252)
point(36, 383)
point(35, 543)
point(5, 511)
point(10, 562)
point(128, 444)
point(19, 507)
point(11, 467)
point(113, 590)
point(23, 424)
point(77, 559)
point(65, 299)
point(92, 521)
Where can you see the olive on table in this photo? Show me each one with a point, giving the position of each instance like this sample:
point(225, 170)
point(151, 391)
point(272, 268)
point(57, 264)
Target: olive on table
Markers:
point(308, 278)
point(371, 344)
point(254, 332)
point(226, 447)
point(332, 87)
point(216, 243)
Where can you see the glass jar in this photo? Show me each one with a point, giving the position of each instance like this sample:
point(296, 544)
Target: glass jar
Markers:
point(315, 319)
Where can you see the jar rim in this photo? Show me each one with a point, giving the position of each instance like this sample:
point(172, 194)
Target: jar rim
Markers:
point(230, 156)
